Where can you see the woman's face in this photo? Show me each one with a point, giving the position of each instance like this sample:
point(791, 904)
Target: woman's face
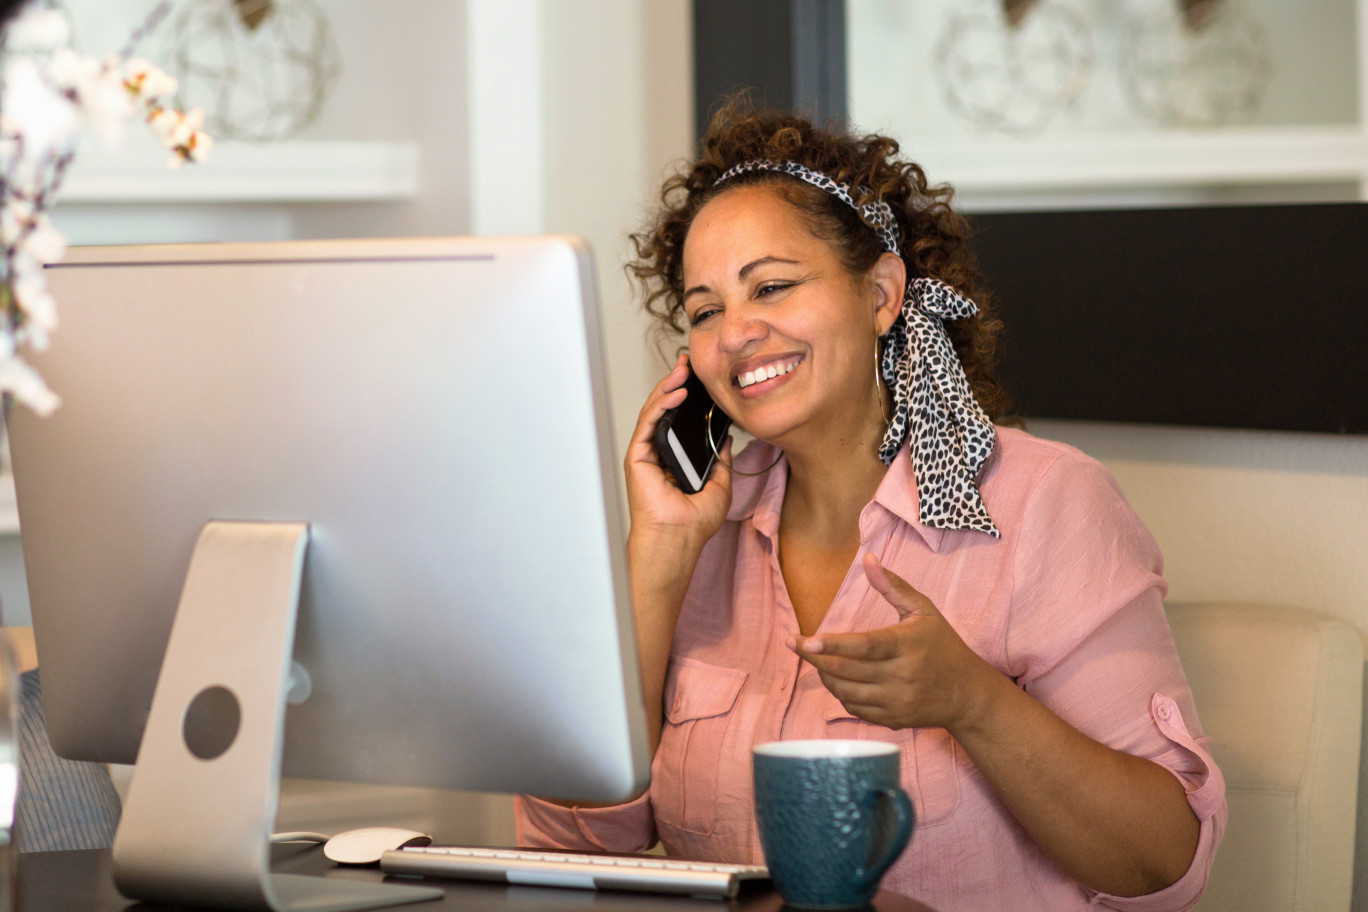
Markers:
point(782, 335)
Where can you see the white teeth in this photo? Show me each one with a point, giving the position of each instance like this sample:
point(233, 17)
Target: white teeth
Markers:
point(768, 372)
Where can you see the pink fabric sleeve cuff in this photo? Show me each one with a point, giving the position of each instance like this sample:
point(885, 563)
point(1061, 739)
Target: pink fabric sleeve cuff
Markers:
point(1193, 765)
point(623, 828)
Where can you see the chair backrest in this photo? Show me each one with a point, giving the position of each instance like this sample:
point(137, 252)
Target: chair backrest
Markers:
point(1280, 693)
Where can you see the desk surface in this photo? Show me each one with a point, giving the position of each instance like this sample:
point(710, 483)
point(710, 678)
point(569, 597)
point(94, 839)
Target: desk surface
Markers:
point(82, 882)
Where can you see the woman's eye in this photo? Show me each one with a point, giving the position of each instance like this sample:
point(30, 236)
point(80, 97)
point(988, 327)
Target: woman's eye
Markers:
point(701, 314)
point(770, 288)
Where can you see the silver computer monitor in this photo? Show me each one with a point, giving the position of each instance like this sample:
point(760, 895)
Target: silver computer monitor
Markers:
point(434, 413)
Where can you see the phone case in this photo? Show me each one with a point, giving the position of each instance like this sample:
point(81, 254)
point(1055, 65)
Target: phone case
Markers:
point(681, 438)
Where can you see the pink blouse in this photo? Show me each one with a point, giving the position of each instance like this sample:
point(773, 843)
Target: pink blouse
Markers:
point(1068, 603)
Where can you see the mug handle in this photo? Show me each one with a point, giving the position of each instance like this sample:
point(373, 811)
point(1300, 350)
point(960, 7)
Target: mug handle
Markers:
point(902, 806)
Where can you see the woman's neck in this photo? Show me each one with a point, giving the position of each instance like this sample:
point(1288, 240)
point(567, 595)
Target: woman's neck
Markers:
point(829, 486)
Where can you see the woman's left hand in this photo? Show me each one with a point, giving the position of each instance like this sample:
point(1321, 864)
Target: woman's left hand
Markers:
point(1115, 822)
point(917, 672)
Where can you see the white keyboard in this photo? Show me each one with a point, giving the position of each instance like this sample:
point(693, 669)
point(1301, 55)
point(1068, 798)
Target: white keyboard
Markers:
point(564, 869)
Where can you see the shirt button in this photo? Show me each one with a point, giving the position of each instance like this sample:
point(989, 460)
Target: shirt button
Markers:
point(1164, 711)
point(678, 702)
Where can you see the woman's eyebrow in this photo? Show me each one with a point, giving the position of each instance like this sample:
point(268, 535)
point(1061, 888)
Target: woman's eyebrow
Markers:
point(741, 273)
point(763, 261)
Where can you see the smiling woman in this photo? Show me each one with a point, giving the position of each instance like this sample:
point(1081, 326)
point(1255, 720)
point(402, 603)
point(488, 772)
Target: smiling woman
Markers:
point(922, 211)
point(888, 561)
point(782, 335)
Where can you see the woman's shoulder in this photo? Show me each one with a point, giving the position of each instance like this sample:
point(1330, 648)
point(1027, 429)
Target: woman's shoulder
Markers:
point(1027, 469)
point(1021, 446)
point(1019, 455)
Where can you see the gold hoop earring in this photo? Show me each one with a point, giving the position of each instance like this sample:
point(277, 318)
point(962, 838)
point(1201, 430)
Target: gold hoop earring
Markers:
point(878, 376)
point(713, 443)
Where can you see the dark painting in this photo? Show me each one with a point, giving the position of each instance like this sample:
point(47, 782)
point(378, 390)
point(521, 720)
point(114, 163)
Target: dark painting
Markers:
point(1240, 316)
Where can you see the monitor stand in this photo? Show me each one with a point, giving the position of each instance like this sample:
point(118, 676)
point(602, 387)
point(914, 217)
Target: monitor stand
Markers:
point(197, 823)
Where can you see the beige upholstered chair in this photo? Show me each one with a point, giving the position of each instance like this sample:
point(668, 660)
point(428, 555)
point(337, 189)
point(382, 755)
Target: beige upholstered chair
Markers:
point(1280, 692)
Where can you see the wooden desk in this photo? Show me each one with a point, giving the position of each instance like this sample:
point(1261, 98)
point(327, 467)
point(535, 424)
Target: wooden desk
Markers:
point(82, 882)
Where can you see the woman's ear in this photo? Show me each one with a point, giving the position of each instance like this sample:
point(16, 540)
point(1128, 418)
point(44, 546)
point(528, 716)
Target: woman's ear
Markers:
point(889, 276)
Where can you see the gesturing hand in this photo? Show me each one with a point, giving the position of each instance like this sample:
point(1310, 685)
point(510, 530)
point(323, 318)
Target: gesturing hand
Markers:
point(917, 672)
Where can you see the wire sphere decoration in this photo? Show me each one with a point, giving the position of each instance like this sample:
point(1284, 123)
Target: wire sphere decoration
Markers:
point(1012, 66)
point(1196, 64)
point(260, 69)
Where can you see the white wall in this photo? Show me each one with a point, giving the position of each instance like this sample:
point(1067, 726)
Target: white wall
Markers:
point(402, 77)
point(619, 111)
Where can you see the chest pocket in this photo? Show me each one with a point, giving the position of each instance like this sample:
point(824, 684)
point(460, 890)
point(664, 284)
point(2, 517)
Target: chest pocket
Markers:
point(930, 761)
point(699, 699)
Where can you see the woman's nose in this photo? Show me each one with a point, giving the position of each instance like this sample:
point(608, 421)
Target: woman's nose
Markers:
point(740, 327)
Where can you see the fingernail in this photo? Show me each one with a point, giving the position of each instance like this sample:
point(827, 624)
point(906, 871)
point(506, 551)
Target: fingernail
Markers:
point(813, 645)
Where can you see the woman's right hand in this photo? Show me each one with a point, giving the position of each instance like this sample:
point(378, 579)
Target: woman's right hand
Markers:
point(660, 511)
point(669, 529)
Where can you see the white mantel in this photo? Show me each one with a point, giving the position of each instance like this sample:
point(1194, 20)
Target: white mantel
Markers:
point(284, 172)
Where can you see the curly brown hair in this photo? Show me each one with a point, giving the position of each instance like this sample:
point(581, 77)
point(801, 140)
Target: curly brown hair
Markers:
point(933, 233)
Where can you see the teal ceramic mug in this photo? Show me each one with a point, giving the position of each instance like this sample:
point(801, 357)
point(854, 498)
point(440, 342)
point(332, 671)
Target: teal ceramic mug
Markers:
point(832, 819)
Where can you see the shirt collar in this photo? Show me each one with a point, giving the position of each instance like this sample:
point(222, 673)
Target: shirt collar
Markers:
point(760, 497)
point(897, 494)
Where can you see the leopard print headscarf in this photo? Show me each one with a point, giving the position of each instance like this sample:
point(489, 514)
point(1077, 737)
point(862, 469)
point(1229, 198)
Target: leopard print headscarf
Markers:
point(952, 436)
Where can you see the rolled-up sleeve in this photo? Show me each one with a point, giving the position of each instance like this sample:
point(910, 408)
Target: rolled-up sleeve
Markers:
point(1091, 641)
point(1194, 767)
point(1124, 687)
point(624, 828)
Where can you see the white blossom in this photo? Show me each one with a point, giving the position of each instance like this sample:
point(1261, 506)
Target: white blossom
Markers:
point(71, 71)
point(163, 124)
point(45, 117)
point(107, 105)
point(51, 94)
point(23, 383)
point(37, 303)
point(15, 218)
point(37, 30)
point(200, 145)
point(34, 336)
point(22, 266)
point(44, 243)
point(148, 82)
point(186, 128)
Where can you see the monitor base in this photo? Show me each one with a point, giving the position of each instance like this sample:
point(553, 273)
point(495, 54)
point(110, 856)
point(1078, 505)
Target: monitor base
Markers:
point(302, 892)
point(197, 822)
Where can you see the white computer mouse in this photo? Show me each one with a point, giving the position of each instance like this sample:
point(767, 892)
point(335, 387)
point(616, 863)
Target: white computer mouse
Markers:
point(367, 844)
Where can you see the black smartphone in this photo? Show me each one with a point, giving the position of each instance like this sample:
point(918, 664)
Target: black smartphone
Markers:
point(681, 437)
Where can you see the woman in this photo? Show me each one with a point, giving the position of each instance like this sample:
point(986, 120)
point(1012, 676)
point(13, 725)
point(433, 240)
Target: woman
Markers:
point(884, 562)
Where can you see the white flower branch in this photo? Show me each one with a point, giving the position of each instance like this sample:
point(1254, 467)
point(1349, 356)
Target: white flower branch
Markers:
point(51, 95)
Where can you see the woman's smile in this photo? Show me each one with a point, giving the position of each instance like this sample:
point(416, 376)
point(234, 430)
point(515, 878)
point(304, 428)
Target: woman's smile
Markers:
point(758, 379)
